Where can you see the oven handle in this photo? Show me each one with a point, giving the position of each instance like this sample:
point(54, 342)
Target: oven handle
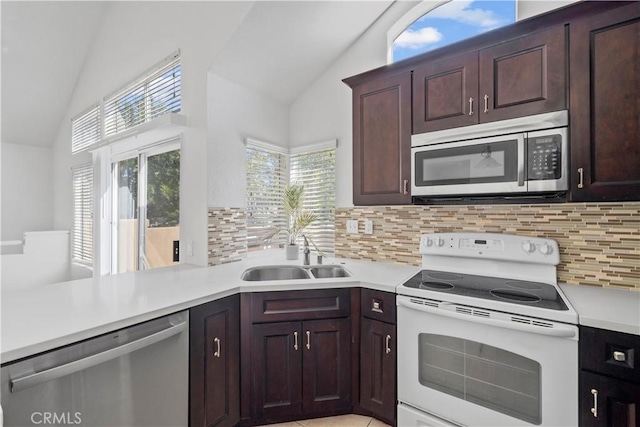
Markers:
point(446, 309)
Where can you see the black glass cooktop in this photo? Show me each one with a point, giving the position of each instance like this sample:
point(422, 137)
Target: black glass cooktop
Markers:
point(536, 294)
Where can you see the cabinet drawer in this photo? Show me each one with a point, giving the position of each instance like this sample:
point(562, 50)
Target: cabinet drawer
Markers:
point(300, 305)
point(612, 353)
point(378, 305)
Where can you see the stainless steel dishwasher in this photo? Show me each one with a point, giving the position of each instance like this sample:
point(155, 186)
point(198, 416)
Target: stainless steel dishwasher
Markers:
point(137, 376)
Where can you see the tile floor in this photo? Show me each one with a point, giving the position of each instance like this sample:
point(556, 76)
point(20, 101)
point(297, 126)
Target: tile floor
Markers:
point(351, 420)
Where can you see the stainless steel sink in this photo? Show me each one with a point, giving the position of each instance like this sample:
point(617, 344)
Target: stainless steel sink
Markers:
point(293, 272)
point(275, 272)
point(328, 271)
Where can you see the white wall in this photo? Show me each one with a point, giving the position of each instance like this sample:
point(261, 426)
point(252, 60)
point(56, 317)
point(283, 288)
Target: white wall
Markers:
point(235, 113)
point(27, 190)
point(324, 110)
point(134, 36)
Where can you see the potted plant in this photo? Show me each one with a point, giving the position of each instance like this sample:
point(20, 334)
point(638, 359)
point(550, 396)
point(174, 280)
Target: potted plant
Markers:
point(298, 218)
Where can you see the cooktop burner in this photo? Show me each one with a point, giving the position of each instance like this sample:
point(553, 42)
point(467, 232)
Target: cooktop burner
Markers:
point(536, 294)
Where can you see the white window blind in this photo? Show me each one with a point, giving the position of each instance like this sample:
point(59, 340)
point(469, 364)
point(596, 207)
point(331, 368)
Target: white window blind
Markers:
point(82, 236)
point(316, 171)
point(85, 129)
point(155, 93)
point(267, 176)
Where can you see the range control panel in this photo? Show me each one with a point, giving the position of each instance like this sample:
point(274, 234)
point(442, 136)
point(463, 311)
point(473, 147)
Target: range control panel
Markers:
point(506, 247)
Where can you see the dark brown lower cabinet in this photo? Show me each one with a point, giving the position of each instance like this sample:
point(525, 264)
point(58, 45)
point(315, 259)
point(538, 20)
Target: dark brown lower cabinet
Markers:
point(214, 364)
point(609, 402)
point(300, 369)
point(378, 369)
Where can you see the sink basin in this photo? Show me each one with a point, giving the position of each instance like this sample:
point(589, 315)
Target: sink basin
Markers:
point(275, 272)
point(328, 271)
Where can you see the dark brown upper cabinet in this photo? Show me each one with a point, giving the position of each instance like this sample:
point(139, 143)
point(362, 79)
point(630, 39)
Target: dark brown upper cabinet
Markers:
point(519, 77)
point(605, 106)
point(382, 141)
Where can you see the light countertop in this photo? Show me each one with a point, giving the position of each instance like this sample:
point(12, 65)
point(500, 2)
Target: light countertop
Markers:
point(605, 308)
point(41, 318)
point(44, 317)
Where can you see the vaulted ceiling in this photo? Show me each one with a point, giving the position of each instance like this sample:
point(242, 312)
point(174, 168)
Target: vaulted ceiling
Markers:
point(279, 49)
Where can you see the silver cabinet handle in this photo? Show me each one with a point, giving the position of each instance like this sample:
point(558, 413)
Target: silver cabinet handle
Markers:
point(594, 409)
point(471, 106)
point(486, 103)
point(619, 356)
point(295, 340)
point(308, 340)
point(580, 178)
point(216, 341)
point(96, 359)
point(521, 161)
point(405, 186)
point(387, 341)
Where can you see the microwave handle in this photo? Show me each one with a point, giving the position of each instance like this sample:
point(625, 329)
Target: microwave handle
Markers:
point(521, 160)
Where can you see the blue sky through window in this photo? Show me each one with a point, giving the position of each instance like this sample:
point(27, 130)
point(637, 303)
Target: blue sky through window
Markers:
point(452, 22)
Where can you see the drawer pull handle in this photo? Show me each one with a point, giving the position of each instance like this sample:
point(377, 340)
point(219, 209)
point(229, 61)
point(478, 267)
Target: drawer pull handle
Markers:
point(619, 356)
point(594, 409)
point(295, 340)
point(387, 348)
point(405, 186)
point(216, 341)
point(486, 103)
point(580, 178)
point(308, 340)
point(376, 306)
point(471, 106)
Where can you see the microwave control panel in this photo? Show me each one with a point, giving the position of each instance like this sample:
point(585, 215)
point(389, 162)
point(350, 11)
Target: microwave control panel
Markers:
point(544, 157)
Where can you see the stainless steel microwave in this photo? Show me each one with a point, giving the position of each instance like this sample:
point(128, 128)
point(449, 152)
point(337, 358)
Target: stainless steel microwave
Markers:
point(525, 156)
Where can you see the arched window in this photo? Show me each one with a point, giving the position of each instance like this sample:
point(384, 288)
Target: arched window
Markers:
point(435, 23)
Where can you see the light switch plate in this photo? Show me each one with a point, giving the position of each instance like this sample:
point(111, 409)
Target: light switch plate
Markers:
point(352, 226)
point(368, 226)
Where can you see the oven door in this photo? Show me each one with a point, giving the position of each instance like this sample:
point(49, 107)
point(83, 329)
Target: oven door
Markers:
point(477, 367)
point(480, 166)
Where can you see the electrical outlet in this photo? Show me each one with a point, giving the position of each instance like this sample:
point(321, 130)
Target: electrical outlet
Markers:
point(352, 226)
point(368, 226)
point(190, 248)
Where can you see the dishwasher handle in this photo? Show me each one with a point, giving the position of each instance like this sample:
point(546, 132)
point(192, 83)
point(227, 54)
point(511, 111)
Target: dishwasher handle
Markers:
point(60, 371)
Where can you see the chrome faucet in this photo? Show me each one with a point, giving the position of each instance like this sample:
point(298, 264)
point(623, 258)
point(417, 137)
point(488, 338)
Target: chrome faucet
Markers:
point(306, 252)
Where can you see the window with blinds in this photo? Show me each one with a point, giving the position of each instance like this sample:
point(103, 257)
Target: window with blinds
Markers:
point(267, 176)
point(82, 234)
point(85, 129)
point(268, 173)
point(316, 172)
point(155, 93)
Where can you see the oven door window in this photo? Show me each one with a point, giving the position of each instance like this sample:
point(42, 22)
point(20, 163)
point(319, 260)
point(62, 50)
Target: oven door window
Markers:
point(488, 376)
point(467, 164)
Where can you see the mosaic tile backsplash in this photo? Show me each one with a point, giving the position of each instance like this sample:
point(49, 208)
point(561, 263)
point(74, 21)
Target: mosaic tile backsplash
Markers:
point(599, 243)
point(227, 235)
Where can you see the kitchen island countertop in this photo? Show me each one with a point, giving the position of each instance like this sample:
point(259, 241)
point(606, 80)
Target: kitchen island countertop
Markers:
point(43, 317)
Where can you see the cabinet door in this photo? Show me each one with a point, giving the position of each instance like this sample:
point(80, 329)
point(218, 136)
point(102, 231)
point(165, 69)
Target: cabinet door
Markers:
point(214, 364)
point(445, 93)
point(276, 391)
point(523, 76)
point(605, 106)
point(378, 369)
point(608, 402)
point(326, 385)
point(382, 141)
